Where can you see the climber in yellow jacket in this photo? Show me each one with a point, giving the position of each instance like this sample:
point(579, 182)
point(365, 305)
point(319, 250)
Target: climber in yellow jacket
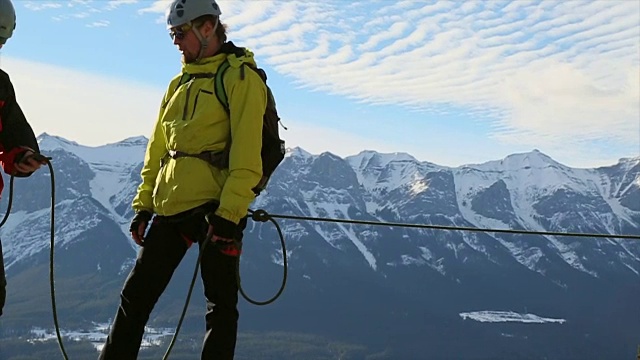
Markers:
point(188, 199)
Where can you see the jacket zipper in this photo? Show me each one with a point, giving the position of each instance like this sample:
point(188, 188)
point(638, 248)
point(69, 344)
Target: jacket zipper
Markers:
point(195, 103)
point(186, 103)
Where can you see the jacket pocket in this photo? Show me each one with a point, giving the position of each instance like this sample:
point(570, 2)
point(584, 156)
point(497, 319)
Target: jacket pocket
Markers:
point(206, 97)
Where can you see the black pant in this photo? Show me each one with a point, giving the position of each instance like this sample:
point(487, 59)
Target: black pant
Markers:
point(3, 281)
point(164, 247)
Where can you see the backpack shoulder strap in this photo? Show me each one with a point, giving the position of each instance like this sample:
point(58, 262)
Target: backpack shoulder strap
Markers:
point(235, 59)
point(220, 91)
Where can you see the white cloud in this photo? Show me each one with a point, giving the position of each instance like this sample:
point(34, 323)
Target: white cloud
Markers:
point(100, 23)
point(99, 109)
point(314, 138)
point(79, 105)
point(158, 6)
point(559, 73)
point(81, 15)
point(74, 3)
point(114, 4)
point(81, 9)
point(42, 5)
point(556, 73)
point(396, 30)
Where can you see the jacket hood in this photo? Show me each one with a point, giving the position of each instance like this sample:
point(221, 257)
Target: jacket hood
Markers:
point(236, 56)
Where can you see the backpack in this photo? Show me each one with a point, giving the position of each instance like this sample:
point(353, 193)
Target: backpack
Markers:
point(273, 147)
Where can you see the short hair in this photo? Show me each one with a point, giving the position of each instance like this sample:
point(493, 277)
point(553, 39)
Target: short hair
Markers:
point(221, 30)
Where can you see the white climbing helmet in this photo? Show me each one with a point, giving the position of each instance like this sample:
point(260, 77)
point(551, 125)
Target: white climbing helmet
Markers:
point(182, 11)
point(7, 20)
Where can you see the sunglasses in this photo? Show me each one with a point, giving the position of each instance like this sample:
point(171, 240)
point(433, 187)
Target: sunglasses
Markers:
point(179, 32)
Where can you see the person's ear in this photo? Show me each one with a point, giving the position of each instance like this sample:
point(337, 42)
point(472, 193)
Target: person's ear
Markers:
point(208, 29)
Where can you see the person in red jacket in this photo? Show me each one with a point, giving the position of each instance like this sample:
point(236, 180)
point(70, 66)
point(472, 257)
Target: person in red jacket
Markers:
point(18, 144)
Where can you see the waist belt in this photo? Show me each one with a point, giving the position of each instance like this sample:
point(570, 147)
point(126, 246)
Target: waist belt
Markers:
point(217, 159)
point(199, 211)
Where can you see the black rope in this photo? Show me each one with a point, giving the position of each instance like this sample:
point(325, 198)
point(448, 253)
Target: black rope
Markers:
point(256, 216)
point(186, 302)
point(453, 228)
point(262, 216)
point(51, 262)
point(6, 215)
point(52, 232)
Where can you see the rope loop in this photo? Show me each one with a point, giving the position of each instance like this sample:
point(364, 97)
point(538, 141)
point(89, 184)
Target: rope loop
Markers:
point(260, 215)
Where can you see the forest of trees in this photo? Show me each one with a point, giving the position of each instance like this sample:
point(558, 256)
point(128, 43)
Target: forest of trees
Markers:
point(251, 346)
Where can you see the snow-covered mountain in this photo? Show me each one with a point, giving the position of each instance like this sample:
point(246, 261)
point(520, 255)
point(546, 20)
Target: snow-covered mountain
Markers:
point(414, 279)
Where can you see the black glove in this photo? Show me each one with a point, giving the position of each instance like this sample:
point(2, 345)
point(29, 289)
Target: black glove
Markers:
point(141, 217)
point(221, 227)
point(223, 235)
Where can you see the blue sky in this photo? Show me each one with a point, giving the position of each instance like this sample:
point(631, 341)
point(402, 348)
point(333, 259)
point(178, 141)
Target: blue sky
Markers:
point(449, 82)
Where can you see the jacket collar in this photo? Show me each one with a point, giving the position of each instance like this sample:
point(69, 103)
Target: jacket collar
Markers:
point(206, 65)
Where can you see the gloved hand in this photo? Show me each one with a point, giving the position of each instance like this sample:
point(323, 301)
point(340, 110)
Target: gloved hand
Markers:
point(28, 161)
point(139, 226)
point(222, 233)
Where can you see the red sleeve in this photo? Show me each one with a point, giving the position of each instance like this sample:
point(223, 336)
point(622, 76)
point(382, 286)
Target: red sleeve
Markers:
point(16, 135)
point(7, 158)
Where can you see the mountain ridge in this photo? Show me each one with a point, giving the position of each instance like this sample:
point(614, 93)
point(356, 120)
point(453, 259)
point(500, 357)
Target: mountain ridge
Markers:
point(415, 280)
point(389, 177)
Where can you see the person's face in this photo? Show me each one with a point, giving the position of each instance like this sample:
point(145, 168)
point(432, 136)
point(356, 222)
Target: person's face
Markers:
point(184, 38)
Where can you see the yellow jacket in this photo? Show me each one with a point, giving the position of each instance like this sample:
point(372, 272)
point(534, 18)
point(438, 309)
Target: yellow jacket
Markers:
point(192, 120)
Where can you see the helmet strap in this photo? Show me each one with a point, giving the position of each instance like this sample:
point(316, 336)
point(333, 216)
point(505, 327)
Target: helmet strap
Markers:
point(204, 41)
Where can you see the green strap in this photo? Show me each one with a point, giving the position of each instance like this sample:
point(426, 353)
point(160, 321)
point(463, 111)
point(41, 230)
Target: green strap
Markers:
point(221, 93)
point(184, 79)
